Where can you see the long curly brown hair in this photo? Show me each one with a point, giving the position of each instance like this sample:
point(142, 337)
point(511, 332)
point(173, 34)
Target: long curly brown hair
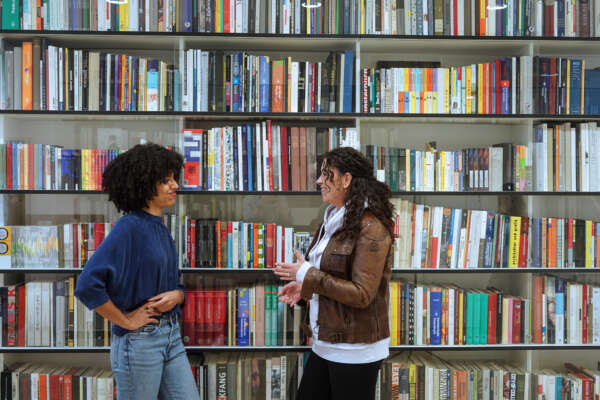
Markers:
point(363, 188)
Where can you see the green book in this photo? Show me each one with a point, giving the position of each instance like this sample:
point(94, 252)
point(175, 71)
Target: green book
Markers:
point(10, 14)
point(476, 316)
point(268, 315)
point(470, 319)
point(274, 316)
point(483, 300)
point(261, 244)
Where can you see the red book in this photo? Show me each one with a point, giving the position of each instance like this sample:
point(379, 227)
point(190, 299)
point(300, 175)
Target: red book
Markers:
point(42, 392)
point(570, 238)
point(524, 242)
point(270, 246)
point(284, 159)
point(209, 318)
point(549, 20)
point(9, 165)
point(220, 317)
point(99, 234)
point(587, 380)
point(552, 89)
point(516, 331)
point(218, 236)
point(188, 319)
point(21, 316)
point(55, 387)
point(200, 321)
point(192, 244)
point(295, 148)
point(75, 246)
point(67, 382)
point(492, 317)
point(313, 89)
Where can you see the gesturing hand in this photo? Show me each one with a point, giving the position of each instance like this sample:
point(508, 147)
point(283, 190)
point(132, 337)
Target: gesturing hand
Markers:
point(287, 271)
point(165, 301)
point(141, 316)
point(290, 293)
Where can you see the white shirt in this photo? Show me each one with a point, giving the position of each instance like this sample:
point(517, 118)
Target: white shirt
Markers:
point(348, 353)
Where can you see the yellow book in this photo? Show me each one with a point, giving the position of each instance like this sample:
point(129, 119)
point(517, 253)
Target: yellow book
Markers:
point(568, 108)
point(479, 88)
point(589, 245)
point(469, 93)
point(66, 78)
point(143, 90)
point(123, 61)
point(406, 72)
point(413, 102)
point(71, 310)
point(412, 382)
point(453, 84)
point(461, 303)
point(362, 19)
point(211, 150)
point(446, 91)
point(124, 16)
point(513, 246)
point(90, 172)
point(394, 319)
point(442, 170)
point(505, 304)
point(219, 16)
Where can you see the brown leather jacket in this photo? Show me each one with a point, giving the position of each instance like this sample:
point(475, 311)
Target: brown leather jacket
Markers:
point(352, 285)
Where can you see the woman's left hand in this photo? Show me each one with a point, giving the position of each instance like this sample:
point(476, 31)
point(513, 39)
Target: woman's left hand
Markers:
point(165, 301)
point(287, 271)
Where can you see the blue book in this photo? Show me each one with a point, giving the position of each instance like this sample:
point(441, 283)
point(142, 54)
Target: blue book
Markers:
point(243, 317)
point(187, 16)
point(575, 92)
point(592, 92)
point(66, 167)
point(177, 99)
point(561, 20)
point(74, 14)
point(236, 98)
point(229, 247)
point(152, 86)
point(493, 88)
point(348, 75)
point(116, 84)
point(505, 86)
point(264, 87)
point(489, 236)
point(435, 316)
point(559, 311)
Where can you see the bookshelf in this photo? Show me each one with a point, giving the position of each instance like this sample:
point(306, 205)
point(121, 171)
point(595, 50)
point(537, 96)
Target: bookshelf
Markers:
point(304, 209)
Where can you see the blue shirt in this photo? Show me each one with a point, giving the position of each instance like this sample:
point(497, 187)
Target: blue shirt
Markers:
point(135, 262)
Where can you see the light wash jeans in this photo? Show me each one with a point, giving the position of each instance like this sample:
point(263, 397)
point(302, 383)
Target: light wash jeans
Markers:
point(150, 363)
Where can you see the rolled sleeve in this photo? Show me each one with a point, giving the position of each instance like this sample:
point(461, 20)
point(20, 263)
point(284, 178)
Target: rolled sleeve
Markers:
point(302, 271)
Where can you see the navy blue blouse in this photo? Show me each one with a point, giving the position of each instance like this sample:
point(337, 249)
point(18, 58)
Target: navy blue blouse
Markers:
point(135, 262)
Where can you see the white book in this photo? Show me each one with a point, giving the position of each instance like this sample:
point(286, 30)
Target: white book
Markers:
point(539, 18)
point(307, 69)
point(416, 261)
point(526, 87)
point(133, 15)
point(239, 16)
point(259, 157)
point(235, 236)
point(418, 314)
point(37, 316)
point(278, 247)
point(437, 231)
point(241, 166)
point(204, 82)
point(461, 16)
point(46, 313)
point(199, 75)
point(266, 166)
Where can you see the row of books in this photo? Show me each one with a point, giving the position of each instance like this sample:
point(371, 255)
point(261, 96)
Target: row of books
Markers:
point(25, 166)
point(564, 311)
point(32, 381)
point(46, 314)
point(441, 237)
point(242, 82)
point(39, 76)
point(449, 315)
point(420, 376)
point(348, 17)
point(249, 376)
point(244, 316)
point(263, 157)
point(212, 243)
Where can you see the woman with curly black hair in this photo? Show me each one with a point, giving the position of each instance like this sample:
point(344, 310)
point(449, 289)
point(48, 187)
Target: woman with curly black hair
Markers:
point(132, 279)
point(344, 281)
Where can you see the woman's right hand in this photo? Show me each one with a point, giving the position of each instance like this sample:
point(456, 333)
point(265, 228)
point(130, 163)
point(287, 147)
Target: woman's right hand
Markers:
point(290, 293)
point(141, 316)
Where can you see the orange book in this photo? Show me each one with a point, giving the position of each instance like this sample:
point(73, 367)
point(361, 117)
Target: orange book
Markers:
point(536, 300)
point(302, 159)
point(39, 22)
point(122, 76)
point(43, 392)
point(218, 236)
point(482, 17)
point(552, 222)
point(255, 246)
point(401, 102)
point(226, 16)
point(277, 86)
point(556, 157)
point(27, 76)
point(129, 82)
point(31, 167)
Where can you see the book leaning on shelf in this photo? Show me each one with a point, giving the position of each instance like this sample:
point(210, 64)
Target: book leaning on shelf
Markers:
point(454, 238)
point(259, 157)
point(350, 17)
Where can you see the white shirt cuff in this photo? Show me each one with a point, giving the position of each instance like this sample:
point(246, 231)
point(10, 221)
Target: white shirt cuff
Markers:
point(302, 271)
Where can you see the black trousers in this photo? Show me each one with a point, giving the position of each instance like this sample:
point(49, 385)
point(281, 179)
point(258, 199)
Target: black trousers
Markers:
point(328, 380)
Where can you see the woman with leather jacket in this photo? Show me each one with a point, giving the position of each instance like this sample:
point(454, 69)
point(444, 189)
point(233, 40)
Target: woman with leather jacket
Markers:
point(344, 281)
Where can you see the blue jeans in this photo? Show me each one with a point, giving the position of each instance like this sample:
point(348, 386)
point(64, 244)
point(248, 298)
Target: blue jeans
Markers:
point(151, 363)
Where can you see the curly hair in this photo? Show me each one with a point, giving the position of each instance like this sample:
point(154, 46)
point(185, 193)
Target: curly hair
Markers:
point(364, 188)
point(130, 179)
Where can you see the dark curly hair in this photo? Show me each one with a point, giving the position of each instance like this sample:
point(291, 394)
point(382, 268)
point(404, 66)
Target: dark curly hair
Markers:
point(363, 188)
point(130, 179)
